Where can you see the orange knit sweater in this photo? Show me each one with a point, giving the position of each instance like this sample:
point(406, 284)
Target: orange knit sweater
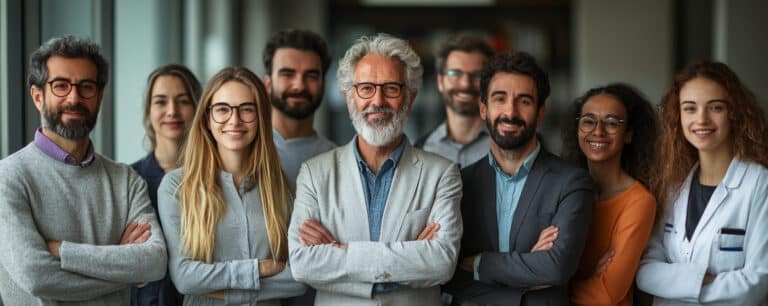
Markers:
point(623, 224)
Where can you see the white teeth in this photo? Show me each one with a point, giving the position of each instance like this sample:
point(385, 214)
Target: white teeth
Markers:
point(597, 145)
point(703, 132)
point(234, 133)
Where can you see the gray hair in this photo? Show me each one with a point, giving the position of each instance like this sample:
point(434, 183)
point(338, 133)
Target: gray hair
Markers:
point(68, 47)
point(386, 45)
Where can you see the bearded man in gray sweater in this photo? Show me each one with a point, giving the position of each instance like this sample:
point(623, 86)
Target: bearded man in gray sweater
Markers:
point(75, 227)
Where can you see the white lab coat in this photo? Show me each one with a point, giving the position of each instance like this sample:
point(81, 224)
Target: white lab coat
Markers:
point(730, 240)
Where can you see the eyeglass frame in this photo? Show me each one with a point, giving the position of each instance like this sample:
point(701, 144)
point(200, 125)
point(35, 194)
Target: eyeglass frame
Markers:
point(232, 110)
point(72, 85)
point(622, 123)
point(458, 74)
point(377, 85)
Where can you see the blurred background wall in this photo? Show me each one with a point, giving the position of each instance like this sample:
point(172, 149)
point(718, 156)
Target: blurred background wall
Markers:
point(581, 43)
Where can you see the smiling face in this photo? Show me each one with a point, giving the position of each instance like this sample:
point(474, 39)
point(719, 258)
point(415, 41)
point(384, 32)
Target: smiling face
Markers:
point(295, 85)
point(606, 116)
point(380, 120)
point(511, 112)
point(704, 116)
point(460, 82)
point(171, 108)
point(70, 116)
point(233, 135)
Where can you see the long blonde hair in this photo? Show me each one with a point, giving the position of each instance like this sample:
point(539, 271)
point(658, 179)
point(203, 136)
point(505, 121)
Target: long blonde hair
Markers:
point(200, 195)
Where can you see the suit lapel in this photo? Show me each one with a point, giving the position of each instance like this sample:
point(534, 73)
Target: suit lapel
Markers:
point(530, 189)
point(488, 203)
point(401, 193)
point(350, 174)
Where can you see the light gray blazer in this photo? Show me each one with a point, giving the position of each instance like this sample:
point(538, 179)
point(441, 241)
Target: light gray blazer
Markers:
point(426, 189)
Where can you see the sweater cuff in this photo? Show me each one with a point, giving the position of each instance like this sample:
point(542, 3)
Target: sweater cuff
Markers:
point(476, 267)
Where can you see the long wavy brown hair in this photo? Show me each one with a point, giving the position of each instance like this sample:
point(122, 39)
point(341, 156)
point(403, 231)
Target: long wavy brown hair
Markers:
point(200, 194)
point(747, 125)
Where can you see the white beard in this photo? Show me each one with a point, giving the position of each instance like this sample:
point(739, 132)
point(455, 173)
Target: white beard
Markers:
point(379, 133)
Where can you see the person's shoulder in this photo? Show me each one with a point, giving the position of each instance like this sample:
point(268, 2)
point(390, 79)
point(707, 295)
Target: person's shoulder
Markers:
point(142, 163)
point(559, 165)
point(17, 165)
point(324, 144)
point(432, 159)
point(321, 160)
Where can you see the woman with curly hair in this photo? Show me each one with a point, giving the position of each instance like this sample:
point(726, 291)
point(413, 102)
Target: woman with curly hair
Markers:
point(710, 244)
point(614, 136)
point(225, 212)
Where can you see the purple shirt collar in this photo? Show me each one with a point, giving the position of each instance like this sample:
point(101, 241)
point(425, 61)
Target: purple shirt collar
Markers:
point(53, 150)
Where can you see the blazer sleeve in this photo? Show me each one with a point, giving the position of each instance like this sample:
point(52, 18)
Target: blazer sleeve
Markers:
point(633, 228)
point(555, 267)
point(415, 263)
point(25, 254)
point(197, 277)
point(748, 285)
point(132, 263)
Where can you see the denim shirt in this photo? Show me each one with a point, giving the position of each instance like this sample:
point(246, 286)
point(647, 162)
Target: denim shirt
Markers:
point(376, 188)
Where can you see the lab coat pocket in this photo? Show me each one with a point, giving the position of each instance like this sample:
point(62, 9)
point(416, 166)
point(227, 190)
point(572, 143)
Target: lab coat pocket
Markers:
point(728, 250)
point(414, 223)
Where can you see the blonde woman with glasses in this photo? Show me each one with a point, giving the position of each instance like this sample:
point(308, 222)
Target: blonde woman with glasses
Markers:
point(225, 213)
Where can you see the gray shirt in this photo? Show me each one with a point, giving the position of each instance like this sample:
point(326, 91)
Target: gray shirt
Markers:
point(293, 152)
point(241, 240)
point(87, 208)
point(439, 142)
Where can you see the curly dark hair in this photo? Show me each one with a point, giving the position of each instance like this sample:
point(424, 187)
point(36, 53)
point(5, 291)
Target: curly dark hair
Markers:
point(296, 39)
point(746, 118)
point(638, 156)
point(515, 62)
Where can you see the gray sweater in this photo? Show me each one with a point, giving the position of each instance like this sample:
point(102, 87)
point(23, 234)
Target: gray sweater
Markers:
point(88, 208)
point(241, 240)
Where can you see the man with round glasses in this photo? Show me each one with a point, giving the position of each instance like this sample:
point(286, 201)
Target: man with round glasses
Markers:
point(77, 227)
point(376, 222)
point(463, 137)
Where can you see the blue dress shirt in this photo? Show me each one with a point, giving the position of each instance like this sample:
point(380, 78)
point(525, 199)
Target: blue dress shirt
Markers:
point(376, 187)
point(508, 191)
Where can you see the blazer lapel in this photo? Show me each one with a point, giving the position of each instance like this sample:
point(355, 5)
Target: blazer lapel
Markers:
point(488, 203)
point(350, 174)
point(401, 193)
point(531, 188)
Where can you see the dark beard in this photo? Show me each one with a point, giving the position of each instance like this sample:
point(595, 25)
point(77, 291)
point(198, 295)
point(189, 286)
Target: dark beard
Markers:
point(464, 109)
point(509, 141)
point(74, 129)
point(300, 111)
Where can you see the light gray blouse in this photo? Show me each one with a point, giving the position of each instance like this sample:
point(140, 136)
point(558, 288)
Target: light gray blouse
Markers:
point(241, 240)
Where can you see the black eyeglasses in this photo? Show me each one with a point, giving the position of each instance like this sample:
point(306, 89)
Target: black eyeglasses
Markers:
point(367, 90)
point(588, 123)
point(85, 88)
point(221, 112)
point(454, 75)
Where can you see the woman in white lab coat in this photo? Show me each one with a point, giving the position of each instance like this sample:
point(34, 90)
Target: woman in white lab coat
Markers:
point(710, 246)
